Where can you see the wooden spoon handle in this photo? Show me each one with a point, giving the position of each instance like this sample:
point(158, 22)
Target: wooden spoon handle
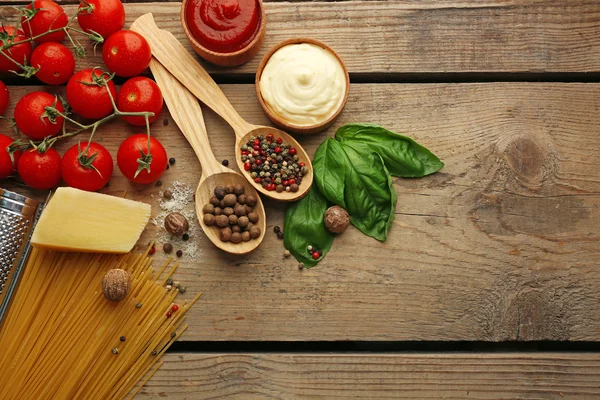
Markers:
point(181, 64)
point(186, 112)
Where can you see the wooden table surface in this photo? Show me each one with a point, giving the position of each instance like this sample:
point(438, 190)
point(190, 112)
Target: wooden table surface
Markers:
point(491, 265)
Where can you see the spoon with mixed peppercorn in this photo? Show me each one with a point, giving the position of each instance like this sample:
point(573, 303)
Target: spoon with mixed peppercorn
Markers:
point(228, 207)
point(272, 160)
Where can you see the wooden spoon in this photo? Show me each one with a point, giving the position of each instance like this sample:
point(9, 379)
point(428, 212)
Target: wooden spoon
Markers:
point(186, 112)
point(181, 64)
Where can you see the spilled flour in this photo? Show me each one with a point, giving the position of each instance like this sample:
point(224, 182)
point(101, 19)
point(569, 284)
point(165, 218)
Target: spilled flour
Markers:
point(182, 202)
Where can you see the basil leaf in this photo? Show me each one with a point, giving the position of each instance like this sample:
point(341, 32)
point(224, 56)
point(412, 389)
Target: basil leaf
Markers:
point(304, 226)
point(329, 166)
point(369, 194)
point(402, 156)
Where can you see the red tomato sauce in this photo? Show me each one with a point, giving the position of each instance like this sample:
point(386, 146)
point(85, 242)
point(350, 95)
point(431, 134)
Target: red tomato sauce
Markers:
point(223, 26)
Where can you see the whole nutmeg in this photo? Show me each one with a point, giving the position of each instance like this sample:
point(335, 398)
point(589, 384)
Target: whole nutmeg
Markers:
point(176, 224)
point(243, 221)
point(233, 219)
point(242, 199)
point(208, 209)
point(225, 234)
point(238, 189)
point(239, 210)
point(209, 219)
point(228, 211)
point(116, 284)
point(222, 221)
point(253, 217)
point(245, 236)
point(220, 192)
point(214, 201)
point(236, 237)
point(254, 232)
point(230, 200)
point(336, 219)
point(251, 200)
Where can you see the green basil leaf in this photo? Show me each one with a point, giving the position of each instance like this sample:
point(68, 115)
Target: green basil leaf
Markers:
point(369, 194)
point(329, 166)
point(402, 156)
point(304, 226)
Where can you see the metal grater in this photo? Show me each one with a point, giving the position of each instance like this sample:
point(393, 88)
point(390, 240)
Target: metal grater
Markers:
point(18, 216)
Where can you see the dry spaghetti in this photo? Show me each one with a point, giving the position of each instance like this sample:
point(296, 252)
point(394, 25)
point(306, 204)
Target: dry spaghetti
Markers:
point(61, 338)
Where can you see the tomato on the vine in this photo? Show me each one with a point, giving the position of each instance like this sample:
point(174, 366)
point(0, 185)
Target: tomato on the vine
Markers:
point(7, 166)
point(32, 118)
point(136, 147)
point(107, 17)
point(40, 170)
point(4, 98)
point(87, 98)
point(126, 53)
point(46, 15)
point(140, 94)
point(55, 63)
point(87, 167)
point(20, 52)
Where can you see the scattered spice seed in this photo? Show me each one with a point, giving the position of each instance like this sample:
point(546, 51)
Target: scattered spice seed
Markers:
point(276, 229)
point(179, 253)
point(169, 281)
point(175, 308)
point(115, 350)
point(122, 338)
point(138, 305)
point(158, 183)
point(286, 253)
point(167, 166)
point(279, 235)
point(172, 160)
point(225, 163)
point(166, 121)
point(169, 314)
point(182, 289)
point(185, 236)
point(169, 287)
point(176, 283)
point(300, 266)
point(167, 248)
point(152, 250)
point(154, 352)
point(167, 194)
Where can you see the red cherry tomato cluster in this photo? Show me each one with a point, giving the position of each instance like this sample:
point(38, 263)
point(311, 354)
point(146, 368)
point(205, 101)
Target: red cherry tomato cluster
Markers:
point(90, 93)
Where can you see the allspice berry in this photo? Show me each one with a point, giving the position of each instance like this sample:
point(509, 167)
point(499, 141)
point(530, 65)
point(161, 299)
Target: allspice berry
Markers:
point(116, 284)
point(245, 236)
point(238, 189)
point(233, 219)
point(176, 224)
point(209, 219)
point(230, 200)
point(236, 228)
point(242, 199)
point(225, 234)
point(228, 211)
point(229, 189)
point(243, 221)
point(254, 232)
point(236, 237)
point(253, 217)
point(336, 219)
point(218, 211)
point(222, 221)
point(239, 210)
point(214, 201)
point(251, 200)
point(248, 209)
point(220, 192)
point(208, 209)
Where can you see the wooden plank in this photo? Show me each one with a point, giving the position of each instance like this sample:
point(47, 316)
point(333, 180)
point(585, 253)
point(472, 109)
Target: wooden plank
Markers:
point(503, 244)
point(426, 37)
point(382, 376)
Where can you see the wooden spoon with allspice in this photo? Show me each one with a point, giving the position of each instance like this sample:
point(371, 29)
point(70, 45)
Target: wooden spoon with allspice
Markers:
point(186, 112)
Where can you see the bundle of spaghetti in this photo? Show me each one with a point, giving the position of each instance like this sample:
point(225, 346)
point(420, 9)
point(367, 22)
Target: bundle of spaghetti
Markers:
point(62, 339)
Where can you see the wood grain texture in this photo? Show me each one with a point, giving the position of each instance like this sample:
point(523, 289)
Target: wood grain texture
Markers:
point(424, 37)
point(502, 244)
point(383, 376)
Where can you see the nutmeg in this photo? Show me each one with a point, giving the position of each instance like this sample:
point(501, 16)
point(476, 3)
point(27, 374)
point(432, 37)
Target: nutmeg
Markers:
point(176, 224)
point(116, 284)
point(336, 219)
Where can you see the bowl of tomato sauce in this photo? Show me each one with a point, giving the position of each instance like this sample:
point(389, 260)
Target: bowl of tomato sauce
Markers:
point(224, 32)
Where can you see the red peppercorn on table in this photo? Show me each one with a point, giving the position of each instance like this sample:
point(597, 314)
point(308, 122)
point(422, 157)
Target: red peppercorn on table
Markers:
point(491, 265)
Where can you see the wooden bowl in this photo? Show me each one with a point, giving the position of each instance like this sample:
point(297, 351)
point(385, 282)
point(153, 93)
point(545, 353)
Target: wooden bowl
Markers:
point(227, 59)
point(278, 120)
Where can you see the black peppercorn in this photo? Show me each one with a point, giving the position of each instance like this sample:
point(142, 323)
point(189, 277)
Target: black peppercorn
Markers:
point(172, 160)
point(276, 229)
point(279, 235)
point(122, 338)
point(179, 253)
point(185, 236)
point(166, 121)
point(158, 183)
point(225, 163)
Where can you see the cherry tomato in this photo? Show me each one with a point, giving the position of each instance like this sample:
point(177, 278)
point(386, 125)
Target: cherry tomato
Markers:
point(140, 94)
point(7, 166)
point(84, 172)
point(92, 102)
point(4, 98)
point(129, 152)
point(55, 62)
point(107, 17)
point(30, 118)
point(21, 52)
point(48, 16)
point(40, 170)
point(126, 53)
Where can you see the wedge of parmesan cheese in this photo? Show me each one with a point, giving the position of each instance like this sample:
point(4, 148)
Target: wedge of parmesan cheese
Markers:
point(76, 220)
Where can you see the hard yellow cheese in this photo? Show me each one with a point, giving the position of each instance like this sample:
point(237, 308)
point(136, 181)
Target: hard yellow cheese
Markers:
point(76, 220)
